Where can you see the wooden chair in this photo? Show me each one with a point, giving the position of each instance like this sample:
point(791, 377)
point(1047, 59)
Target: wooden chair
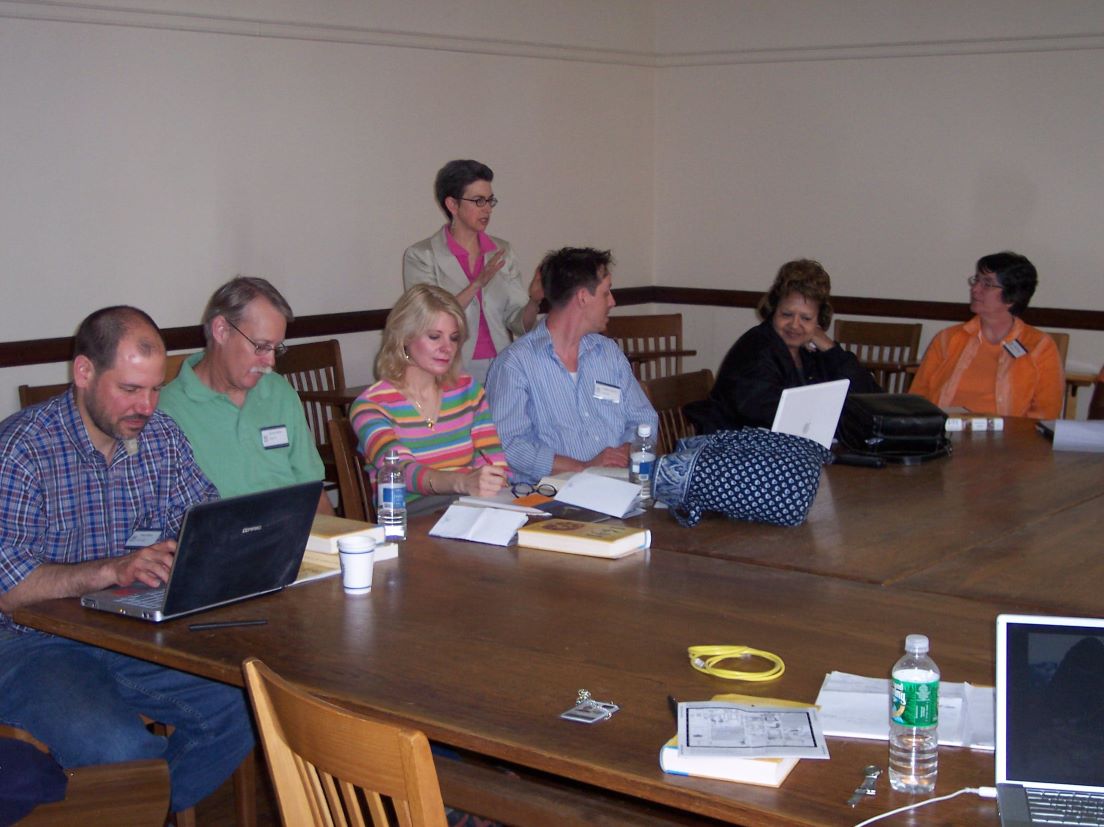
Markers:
point(330, 766)
point(886, 349)
point(653, 344)
point(668, 395)
point(1096, 404)
point(134, 792)
point(33, 394)
point(314, 369)
point(352, 485)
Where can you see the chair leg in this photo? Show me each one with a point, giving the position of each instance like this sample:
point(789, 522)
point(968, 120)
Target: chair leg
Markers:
point(185, 818)
point(245, 790)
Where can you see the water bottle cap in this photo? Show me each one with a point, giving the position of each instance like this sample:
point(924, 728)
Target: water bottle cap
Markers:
point(644, 429)
point(916, 644)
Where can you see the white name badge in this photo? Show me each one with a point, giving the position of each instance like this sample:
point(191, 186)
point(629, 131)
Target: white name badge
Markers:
point(275, 436)
point(609, 393)
point(143, 537)
point(1015, 349)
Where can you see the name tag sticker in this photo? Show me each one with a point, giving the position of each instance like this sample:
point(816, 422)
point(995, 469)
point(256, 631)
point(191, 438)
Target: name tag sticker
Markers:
point(1015, 349)
point(610, 393)
point(275, 436)
point(143, 537)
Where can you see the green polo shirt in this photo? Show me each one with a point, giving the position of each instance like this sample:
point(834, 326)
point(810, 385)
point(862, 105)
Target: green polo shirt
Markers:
point(263, 444)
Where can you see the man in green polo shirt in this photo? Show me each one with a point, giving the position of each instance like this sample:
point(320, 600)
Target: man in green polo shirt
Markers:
point(245, 423)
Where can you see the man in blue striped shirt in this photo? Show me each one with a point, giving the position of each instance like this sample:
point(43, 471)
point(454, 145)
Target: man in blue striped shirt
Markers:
point(93, 488)
point(563, 396)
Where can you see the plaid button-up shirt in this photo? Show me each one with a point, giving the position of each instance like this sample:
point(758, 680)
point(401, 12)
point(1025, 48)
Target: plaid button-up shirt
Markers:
point(62, 502)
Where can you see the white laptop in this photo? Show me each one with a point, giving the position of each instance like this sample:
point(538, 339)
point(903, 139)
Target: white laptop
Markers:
point(811, 411)
point(227, 550)
point(1050, 720)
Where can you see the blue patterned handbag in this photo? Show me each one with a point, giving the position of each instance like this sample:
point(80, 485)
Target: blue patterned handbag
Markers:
point(751, 474)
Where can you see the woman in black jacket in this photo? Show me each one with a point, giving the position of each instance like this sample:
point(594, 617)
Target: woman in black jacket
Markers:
point(789, 348)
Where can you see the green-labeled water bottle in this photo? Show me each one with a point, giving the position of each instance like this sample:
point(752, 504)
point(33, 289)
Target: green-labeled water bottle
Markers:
point(914, 719)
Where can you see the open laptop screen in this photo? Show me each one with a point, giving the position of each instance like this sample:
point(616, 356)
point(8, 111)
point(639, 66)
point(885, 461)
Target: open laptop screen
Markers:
point(1050, 703)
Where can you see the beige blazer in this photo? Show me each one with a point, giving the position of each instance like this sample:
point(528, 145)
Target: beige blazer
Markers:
point(504, 299)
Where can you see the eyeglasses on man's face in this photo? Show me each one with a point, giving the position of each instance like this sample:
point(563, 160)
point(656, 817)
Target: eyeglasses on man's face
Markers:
point(260, 349)
point(988, 283)
point(482, 202)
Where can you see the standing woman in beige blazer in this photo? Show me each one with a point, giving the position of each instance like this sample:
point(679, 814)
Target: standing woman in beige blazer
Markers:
point(480, 270)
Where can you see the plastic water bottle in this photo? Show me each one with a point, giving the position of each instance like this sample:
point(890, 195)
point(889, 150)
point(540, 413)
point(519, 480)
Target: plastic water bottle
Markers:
point(642, 459)
point(914, 719)
point(392, 498)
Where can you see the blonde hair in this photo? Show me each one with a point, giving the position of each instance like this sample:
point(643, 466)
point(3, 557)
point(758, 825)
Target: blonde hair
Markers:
point(411, 316)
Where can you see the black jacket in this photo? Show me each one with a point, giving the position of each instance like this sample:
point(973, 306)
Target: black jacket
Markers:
point(759, 367)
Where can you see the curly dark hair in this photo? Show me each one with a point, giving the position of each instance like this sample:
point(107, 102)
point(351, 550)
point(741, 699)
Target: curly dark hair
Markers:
point(803, 276)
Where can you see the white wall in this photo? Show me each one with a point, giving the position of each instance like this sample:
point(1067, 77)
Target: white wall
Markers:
point(146, 163)
point(888, 140)
point(150, 149)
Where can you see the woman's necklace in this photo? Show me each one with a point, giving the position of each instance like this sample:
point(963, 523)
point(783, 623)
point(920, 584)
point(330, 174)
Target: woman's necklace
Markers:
point(430, 421)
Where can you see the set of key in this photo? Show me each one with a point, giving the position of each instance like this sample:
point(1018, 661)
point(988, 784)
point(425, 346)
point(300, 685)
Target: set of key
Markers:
point(871, 773)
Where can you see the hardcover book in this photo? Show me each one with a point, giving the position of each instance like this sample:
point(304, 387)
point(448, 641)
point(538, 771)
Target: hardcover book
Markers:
point(576, 537)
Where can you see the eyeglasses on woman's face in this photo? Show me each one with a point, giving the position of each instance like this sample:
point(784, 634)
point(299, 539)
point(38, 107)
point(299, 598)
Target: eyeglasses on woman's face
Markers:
point(988, 282)
point(481, 202)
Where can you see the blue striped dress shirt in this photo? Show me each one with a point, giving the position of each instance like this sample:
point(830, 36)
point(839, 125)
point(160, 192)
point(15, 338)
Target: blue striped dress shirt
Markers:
point(541, 411)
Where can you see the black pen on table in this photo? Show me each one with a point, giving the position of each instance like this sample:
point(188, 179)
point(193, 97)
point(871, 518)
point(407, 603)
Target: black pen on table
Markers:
point(225, 624)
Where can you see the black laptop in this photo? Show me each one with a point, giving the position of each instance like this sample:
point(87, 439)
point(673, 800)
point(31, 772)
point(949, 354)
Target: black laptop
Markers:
point(227, 550)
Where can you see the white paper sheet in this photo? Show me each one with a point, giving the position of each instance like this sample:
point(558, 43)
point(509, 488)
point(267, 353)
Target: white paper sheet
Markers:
point(480, 525)
point(852, 706)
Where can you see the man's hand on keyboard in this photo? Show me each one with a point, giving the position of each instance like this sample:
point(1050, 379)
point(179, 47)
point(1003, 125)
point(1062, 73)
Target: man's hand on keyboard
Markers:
point(150, 565)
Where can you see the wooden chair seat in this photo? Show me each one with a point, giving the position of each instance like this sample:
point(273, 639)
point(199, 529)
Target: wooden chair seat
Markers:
point(668, 395)
point(889, 350)
point(330, 766)
point(133, 792)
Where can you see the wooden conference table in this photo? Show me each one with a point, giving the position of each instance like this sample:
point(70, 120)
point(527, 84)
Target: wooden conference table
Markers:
point(483, 647)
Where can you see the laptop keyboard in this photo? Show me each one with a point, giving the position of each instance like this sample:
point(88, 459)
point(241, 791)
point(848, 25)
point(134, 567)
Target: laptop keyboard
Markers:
point(146, 600)
point(1065, 807)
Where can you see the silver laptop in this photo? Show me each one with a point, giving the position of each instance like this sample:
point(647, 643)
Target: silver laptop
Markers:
point(227, 550)
point(811, 411)
point(1050, 720)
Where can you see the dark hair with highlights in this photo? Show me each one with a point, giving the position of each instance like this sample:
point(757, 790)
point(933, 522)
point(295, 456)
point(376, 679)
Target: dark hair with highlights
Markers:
point(803, 276)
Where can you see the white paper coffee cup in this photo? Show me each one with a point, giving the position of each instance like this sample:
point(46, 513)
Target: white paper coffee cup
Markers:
point(358, 555)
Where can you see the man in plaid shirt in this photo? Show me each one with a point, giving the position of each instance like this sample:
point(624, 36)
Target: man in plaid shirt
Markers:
point(93, 488)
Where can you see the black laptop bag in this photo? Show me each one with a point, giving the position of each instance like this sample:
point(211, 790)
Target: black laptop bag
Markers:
point(896, 427)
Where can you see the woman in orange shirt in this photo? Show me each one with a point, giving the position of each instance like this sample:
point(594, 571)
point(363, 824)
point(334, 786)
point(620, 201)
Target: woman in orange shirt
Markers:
point(994, 363)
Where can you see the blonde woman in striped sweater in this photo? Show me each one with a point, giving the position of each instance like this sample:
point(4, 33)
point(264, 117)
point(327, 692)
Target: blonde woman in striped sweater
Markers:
point(434, 416)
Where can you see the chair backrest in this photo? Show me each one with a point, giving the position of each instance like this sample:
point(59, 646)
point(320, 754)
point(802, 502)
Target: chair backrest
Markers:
point(330, 766)
point(316, 366)
point(653, 344)
point(668, 395)
point(33, 394)
point(1061, 340)
point(886, 349)
point(352, 485)
point(1096, 404)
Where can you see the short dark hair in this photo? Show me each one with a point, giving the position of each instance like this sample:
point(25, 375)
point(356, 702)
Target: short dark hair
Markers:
point(98, 336)
point(455, 177)
point(230, 301)
point(1017, 276)
point(565, 271)
point(803, 276)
